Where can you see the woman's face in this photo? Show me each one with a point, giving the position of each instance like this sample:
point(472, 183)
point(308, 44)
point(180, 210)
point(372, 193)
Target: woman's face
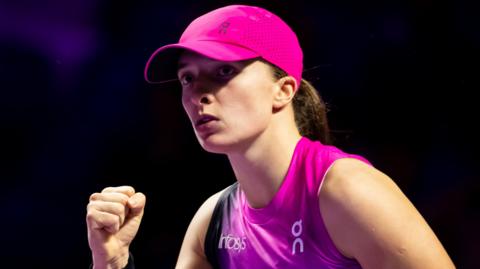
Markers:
point(229, 103)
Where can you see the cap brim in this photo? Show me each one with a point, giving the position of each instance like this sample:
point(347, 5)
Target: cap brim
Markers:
point(162, 65)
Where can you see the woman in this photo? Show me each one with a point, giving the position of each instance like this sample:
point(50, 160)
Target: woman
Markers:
point(297, 202)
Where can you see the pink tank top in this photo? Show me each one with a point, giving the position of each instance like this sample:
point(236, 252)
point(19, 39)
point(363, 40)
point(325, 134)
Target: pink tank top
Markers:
point(287, 233)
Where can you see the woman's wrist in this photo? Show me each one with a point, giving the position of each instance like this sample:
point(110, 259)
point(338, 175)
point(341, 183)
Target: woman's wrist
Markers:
point(118, 262)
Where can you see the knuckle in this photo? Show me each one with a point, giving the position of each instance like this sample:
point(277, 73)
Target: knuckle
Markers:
point(90, 207)
point(124, 199)
point(91, 216)
point(107, 189)
point(127, 190)
point(93, 204)
point(131, 189)
point(93, 196)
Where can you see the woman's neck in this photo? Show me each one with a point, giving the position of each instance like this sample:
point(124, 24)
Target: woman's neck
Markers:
point(261, 168)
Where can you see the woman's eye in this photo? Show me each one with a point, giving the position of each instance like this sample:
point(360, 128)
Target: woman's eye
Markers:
point(226, 71)
point(186, 79)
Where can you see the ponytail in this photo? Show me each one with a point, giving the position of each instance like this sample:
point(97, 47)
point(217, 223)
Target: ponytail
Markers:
point(311, 113)
point(309, 110)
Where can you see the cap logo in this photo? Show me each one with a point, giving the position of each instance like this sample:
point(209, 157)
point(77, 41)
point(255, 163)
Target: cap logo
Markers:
point(223, 27)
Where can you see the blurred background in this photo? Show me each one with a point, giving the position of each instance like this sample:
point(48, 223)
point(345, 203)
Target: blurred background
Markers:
point(77, 116)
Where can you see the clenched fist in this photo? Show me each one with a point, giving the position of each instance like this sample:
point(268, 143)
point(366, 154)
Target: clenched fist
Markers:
point(113, 219)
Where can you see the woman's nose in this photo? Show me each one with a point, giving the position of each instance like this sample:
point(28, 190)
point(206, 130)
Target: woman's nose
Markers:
point(204, 100)
point(201, 98)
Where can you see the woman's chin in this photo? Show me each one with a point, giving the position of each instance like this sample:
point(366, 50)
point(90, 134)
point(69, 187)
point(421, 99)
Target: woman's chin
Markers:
point(214, 144)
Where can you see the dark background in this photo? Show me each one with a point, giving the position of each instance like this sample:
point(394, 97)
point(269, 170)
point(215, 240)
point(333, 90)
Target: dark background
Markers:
point(76, 116)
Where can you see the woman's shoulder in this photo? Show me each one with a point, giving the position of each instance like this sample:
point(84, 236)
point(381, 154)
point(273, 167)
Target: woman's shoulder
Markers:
point(209, 204)
point(348, 200)
point(369, 218)
point(327, 154)
point(192, 252)
point(205, 211)
point(349, 179)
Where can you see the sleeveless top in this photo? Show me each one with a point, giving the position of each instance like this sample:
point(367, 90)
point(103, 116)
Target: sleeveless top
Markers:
point(287, 233)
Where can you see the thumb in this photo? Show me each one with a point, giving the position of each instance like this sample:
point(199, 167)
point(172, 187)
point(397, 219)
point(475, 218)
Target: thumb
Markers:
point(134, 215)
point(137, 203)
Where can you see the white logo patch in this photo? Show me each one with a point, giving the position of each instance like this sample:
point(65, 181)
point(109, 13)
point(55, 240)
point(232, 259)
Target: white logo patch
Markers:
point(230, 242)
point(297, 230)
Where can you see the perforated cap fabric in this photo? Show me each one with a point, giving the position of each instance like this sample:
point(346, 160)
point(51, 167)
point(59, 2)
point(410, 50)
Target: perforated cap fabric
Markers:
point(232, 33)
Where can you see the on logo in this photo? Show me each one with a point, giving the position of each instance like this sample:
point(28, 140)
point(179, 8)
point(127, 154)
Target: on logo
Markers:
point(297, 230)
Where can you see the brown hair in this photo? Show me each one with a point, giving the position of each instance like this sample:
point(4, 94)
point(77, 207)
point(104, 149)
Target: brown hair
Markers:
point(309, 109)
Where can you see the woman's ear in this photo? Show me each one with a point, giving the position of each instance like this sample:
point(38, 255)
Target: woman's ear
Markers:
point(285, 90)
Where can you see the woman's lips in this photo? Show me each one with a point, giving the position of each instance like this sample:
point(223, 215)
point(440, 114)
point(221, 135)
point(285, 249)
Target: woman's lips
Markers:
point(205, 119)
point(206, 125)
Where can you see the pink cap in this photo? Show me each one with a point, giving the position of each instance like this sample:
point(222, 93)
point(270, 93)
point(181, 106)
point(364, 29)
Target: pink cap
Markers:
point(232, 33)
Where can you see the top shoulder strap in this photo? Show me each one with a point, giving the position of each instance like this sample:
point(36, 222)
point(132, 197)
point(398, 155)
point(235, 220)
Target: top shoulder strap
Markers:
point(215, 227)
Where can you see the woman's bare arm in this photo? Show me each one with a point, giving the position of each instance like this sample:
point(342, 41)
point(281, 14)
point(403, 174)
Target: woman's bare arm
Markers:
point(192, 253)
point(371, 220)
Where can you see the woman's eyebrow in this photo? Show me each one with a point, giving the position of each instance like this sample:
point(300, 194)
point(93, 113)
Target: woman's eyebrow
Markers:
point(236, 64)
point(181, 65)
